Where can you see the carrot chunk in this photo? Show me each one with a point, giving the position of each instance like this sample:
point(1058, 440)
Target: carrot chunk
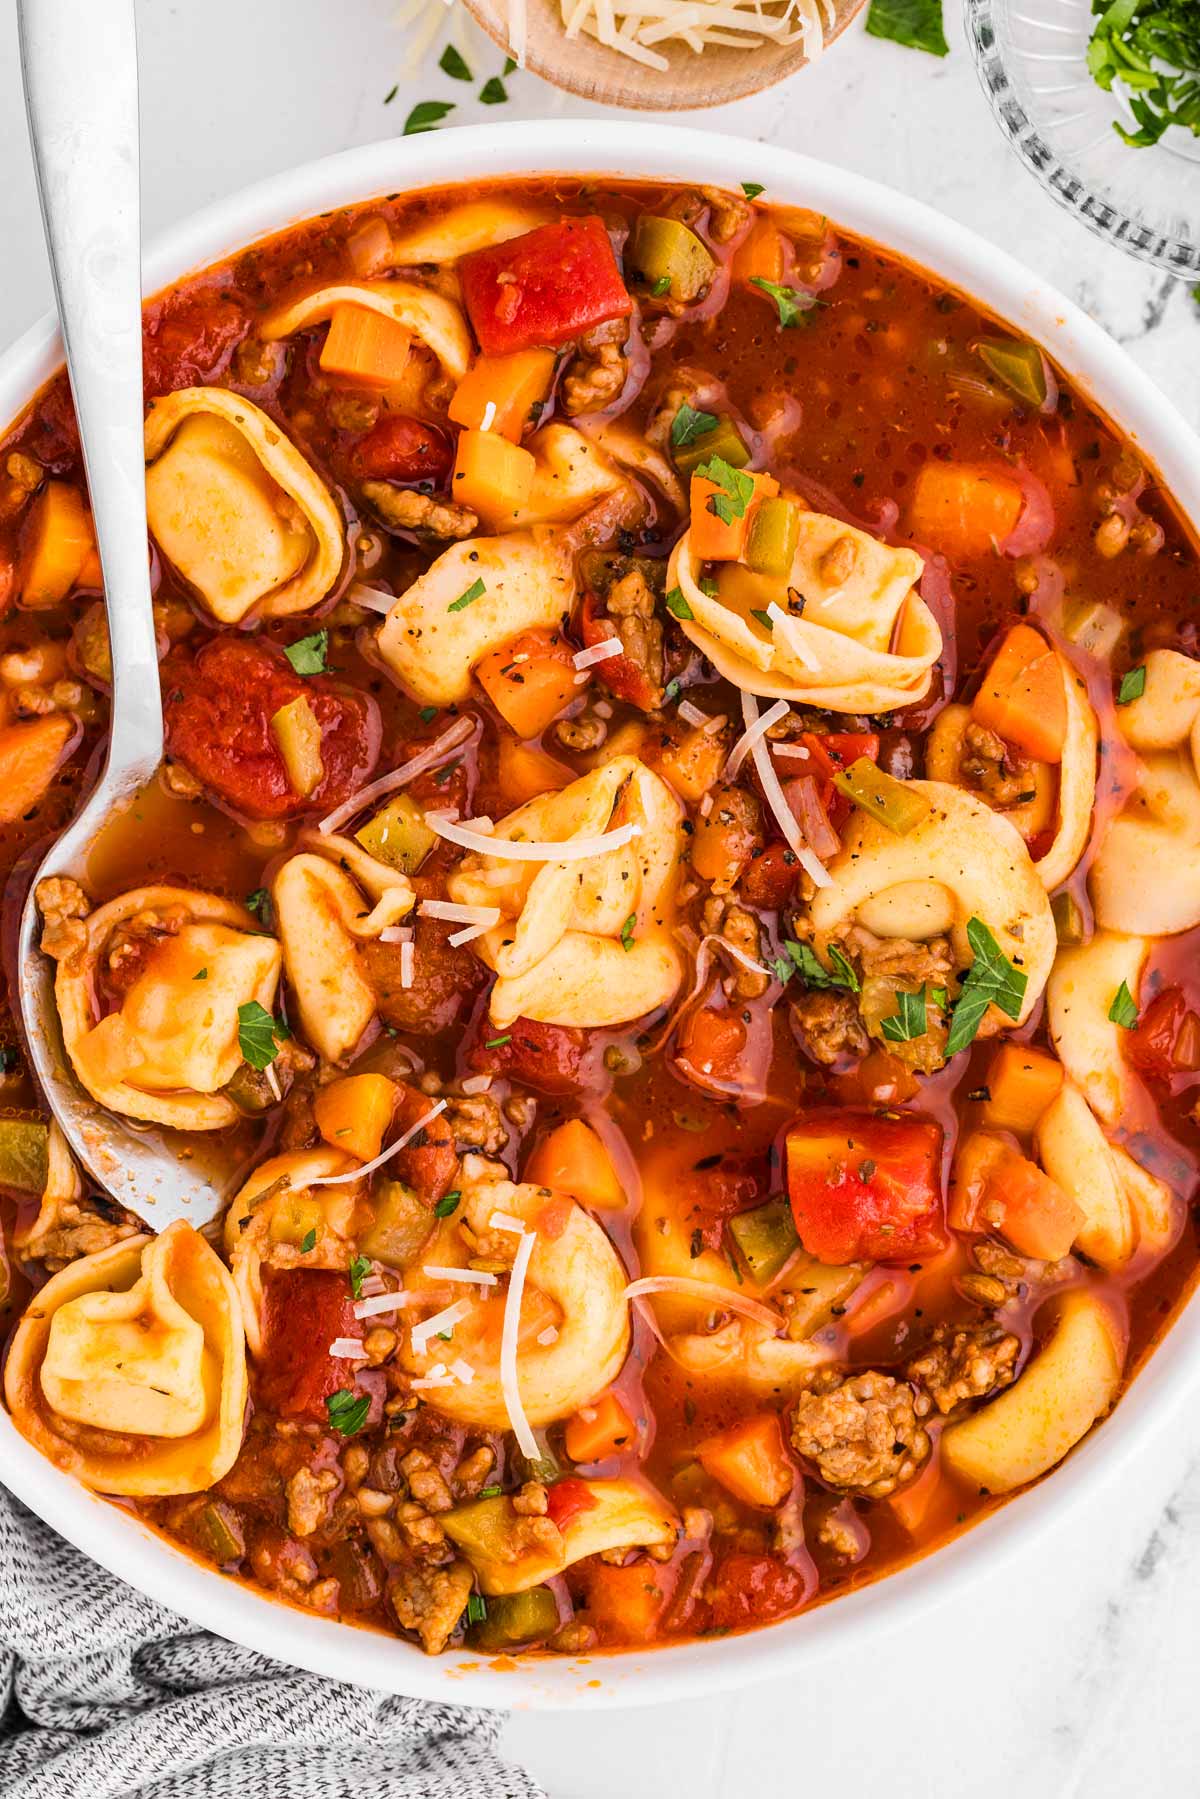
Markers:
point(714, 540)
point(491, 476)
point(366, 346)
point(354, 1112)
point(499, 393)
point(529, 680)
point(750, 1460)
point(55, 543)
point(1023, 697)
point(572, 1159)
point(1021, 1082)
point(759, 256)
point(30, 752)
point(598, 1430)
point(962, 510)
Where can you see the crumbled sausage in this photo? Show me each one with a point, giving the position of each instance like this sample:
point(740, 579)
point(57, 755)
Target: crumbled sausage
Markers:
point(308, 1499)
point(968, 1363)
point(630, 607)
point(582, 734)
point(994, 767)
point(476, 1125)
point(863, 1432)
point(431, 1601)
point(68, 1228)
point(597, 374)
point(727, 214)
point(403, 509)
point(64, 906)
point(828, 1026)
point(843, 1532)
point(426, 1482)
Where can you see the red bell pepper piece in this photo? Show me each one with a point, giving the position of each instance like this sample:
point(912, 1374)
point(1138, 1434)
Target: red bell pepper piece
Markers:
point(750, 1588)
point(304, 1311)
point(865, 1188)
point(566, 1499)
point(623, 678)
point(543, 288)
point(831, 752)
point(1166, 1039)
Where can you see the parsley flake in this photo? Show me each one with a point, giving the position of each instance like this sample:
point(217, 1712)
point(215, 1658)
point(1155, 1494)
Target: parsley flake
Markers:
point(793, 303)
point(498, 1042)
point(493, 1492)
point(734, 489)
point(493, 92)
point(307, 655)
point(448, 1204)
point(677, 605)
point(201, 974)
point(764, 618)
point(1123, 1010)
point(909, 1020)
point(812, 971)
point(991, 980)
point(358, 1271)
point(627, 931)
point(426, 115)
point(689, 424)
point(661, 286)
point(917, 24)
point(259, 1034)
point(427, 714)
point(474, 592)
point(259, 902)
point(1133, 685)
point(307, 1242)
point(452, 64)
point(347, 1411)
point(752, 189)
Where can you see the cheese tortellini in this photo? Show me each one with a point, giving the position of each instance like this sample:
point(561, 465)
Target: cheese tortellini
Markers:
point(475, 225)
point(1055, 801)
point(432, 648)
point(276, 1212)
point(575, 1287)
point(582, 942)
point(962, 861)
point(436, 322)
point(862, 641)
point(182, 964)
point(1079, 997)
point(328, 899)
point(1146, 875)
point(128, 1369)
point(236, 509)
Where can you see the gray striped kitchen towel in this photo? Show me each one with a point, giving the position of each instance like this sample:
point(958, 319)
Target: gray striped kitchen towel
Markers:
point(105, 1695)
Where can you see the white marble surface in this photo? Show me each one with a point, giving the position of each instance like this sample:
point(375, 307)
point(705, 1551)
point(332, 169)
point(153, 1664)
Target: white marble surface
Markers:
point(1075, 1670)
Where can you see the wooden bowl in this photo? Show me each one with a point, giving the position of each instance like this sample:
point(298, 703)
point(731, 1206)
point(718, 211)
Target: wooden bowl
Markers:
point(586, 67)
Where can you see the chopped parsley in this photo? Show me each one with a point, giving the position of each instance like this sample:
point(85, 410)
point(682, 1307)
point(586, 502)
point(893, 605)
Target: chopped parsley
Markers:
point(390, 95)
point(688, 424)
point(734, 489)
point(427, 714)
point(452, 64)
point(510, 64)
point(677, 606)
point(493, 92)
point(358, 1270)
point(474, 592)
point(1151, 48)
point(672, 691)
point(627, 931)
point(1133, 685)
point(764, 618)
point(1123, 1010)
point(492, 1492)
point(752, 189)
point(917, 24)
point(426, 115)
point(661, 286)
point(991, 980)
point(259, 902)
point(307, 655)
point(347, 1411)
point(259, 1034)
point(448, 1204)
point(498, 1042)
point(812, 971)
point(201, 974)
point(10, 1058)
point(909, 1020)
point(793, 302)
point(307, 1242)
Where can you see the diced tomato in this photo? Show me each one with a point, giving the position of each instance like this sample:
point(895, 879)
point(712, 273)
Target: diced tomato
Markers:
point(400, 448)
point(304, 1311)
point(187, 340)
point(1166, 1040)
point(444, 979)
point(769, 880)
point(565, 1499)
point(218, 707)
point(713, 1042)
point(711, 1195)
point(754, 1589)
point(622, 676)
point(831, 752)
point(429, 1164)
point(543, 288)
point(626, 1604)
point(865, 1188)
point(544, 1056)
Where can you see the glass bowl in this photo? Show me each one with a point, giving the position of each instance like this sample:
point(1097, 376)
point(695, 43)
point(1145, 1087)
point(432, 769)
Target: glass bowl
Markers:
point(1031, 57)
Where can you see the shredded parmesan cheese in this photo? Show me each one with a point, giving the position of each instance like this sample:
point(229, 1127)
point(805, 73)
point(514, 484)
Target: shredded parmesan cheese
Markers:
point(799, 648)
point(395, 933)
point(377, 1303)
point(454, 912)
point(635, 27)
point(720, 1298)
point(756, 727)
point(526, 1441)
point(357, 1174)
point(478, 1277)
point(547, 1337)
point(407, 959)
point(575, 849)
point(462, 1371)
point(432, 756)
point(373, 599)
point(791, 749)
point(348, 1349)
point(599, 652)
point(445, 1320)
point(776, 798)
point(692, 715)
point(504, 1221)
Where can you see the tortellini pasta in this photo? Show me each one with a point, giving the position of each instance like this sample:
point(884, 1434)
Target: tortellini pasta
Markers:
point(183, 962)
point(1146, 875)
point(570, 474)
point(435, 321)
point(236, 509)
point(329, 898)
point(1111, 1190)
point(582, 942)
point(1061, 798)
point(431, 641)
point(575, 1286)
point(863, 641)
point(962, 861)
point(621, 1514)
point(1079, 998)
point(128, 1369)
point(276, 1212)
point(475, 225)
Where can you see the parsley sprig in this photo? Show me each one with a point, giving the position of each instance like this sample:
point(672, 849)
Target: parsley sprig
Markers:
point(259, 1034)
point(803, 960)
point(991, 980)
point(1151, 49)
point(735, 489)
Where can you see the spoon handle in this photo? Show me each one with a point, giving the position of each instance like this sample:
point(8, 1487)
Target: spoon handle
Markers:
point(79, 60)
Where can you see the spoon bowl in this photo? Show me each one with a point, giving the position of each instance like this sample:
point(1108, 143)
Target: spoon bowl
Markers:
point(84, 133)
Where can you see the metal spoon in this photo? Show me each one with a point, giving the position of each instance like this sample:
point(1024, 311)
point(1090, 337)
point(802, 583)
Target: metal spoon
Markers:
point(79, 61)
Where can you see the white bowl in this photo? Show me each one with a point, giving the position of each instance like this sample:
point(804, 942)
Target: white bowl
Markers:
point(1102, 370)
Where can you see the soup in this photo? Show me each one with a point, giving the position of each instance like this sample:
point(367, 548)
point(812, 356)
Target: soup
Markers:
point(675, 873)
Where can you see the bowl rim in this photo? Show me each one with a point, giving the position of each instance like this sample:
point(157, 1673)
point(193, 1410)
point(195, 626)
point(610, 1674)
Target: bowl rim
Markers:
point(910, 229)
